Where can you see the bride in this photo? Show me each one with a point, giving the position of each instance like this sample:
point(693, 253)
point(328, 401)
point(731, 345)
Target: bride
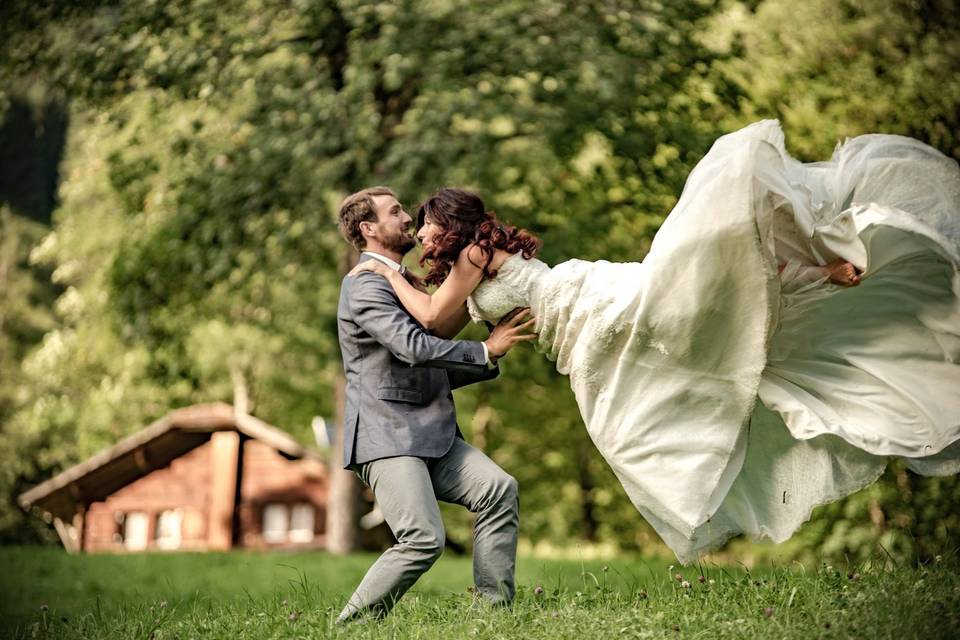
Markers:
point(792, 327)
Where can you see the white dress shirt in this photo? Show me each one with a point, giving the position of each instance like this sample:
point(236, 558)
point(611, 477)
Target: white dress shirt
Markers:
point(396, 266)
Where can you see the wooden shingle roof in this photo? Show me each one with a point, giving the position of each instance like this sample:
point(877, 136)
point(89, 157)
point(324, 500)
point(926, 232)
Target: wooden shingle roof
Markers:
point(151, 448)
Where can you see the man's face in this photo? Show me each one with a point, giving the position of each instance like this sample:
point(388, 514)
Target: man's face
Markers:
point(392, 229)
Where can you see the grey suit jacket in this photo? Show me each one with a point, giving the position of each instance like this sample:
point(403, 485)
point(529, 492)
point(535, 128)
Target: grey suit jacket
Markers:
point(399, 377)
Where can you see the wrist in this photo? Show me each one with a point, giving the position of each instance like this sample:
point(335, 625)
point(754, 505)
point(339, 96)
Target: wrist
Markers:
point(492, 353)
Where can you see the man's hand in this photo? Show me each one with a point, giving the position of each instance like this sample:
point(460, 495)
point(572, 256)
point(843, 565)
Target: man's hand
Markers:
point(509, 332)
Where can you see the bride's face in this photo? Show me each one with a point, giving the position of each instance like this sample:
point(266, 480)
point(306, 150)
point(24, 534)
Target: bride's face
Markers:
point(428, 232)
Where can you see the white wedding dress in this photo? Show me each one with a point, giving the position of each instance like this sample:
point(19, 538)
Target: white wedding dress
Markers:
point(731, 396)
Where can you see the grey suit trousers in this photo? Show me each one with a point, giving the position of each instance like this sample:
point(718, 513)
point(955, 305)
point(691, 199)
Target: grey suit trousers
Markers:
point(407, 490)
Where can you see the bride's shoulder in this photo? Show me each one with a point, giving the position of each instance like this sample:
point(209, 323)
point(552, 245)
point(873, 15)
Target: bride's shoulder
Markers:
point(477, 258)
point(473, 254)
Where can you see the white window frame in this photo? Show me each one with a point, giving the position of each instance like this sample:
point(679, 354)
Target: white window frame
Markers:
point(170, 529)
point(302, 519)
point(136, 530)
point(275, 523)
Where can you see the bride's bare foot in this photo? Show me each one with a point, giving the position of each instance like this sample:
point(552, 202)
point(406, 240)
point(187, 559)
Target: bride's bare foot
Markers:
point(842, 272)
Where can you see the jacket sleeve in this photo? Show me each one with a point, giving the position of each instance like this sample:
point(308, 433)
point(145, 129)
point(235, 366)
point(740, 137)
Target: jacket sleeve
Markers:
point(376, 309)
point(463, 378)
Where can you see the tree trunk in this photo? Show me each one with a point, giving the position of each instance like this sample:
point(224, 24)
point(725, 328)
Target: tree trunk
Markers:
point(9, 252)
point(343, 505)
point(241, 393)
point(588, 518)
point(481, 420)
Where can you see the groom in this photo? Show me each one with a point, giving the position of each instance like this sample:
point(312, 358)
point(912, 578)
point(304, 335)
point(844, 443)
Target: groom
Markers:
point(400, 430)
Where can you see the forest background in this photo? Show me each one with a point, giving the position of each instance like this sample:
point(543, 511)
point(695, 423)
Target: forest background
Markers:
point(170, 170)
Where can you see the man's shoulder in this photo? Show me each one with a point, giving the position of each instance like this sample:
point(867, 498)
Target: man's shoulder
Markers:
point(367, 286)
point(364, 281)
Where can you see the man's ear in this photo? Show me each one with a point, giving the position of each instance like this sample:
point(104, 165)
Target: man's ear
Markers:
point(367, 229)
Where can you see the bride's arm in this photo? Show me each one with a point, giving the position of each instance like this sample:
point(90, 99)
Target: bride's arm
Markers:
point(450, 328)
point(445, 310)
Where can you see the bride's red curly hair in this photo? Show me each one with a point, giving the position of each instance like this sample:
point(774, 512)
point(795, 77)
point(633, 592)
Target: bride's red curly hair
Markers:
point(465, 221)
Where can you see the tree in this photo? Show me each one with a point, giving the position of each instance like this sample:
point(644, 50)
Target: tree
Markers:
point(219, 144)
point(829, 70)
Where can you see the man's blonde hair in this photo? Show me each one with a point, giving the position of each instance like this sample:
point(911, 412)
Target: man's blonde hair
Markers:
point(356, 208)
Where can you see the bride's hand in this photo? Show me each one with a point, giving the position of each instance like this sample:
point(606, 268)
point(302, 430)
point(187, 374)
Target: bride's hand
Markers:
point(371, 265)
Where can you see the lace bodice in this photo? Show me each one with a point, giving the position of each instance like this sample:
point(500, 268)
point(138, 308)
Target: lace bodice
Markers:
point(517, 284)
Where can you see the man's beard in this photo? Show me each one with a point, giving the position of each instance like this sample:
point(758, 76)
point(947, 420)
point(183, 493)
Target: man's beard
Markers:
point(401, 243)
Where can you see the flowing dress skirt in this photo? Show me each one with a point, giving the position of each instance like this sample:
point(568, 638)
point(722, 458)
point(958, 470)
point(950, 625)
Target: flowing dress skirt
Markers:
point(728, 385)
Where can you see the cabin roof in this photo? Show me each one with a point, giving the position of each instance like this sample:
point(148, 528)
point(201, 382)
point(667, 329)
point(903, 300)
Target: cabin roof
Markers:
point(151, 448)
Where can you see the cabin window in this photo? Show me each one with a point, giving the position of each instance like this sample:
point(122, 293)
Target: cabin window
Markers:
point(275, 523)
point(169, 528)
point(301, 522)
point(136, 528)
point(118, 518)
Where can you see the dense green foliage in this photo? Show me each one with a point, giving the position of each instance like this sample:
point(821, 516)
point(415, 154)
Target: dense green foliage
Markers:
point(193, 243)
point(243, 595)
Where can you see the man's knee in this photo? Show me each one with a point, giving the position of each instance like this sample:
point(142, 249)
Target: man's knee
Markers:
point(507, 490)
point(427, 541)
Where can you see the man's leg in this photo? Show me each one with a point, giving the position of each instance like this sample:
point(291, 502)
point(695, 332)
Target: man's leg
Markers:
point(404, 493)
point(466, 476)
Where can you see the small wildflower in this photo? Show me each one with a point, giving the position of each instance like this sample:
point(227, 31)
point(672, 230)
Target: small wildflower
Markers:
point(643, 594)
point(854, 576)
point(163, 604)
point(767, 612)
point(44, 607)
point(538, 590)
point(293, 616)
point(471, 589)
point(685, 584)
point(605, 568)
point(938, 559)
point(702, 579)
point(676, 627)
point(670, 569)
point(284, 603)
point(678, 578)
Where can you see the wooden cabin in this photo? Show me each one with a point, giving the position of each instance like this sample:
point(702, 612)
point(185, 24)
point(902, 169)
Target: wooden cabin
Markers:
point(201, 478)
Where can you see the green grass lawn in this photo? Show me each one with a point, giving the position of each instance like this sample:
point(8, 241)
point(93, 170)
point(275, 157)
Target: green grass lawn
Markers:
point(45, 593)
